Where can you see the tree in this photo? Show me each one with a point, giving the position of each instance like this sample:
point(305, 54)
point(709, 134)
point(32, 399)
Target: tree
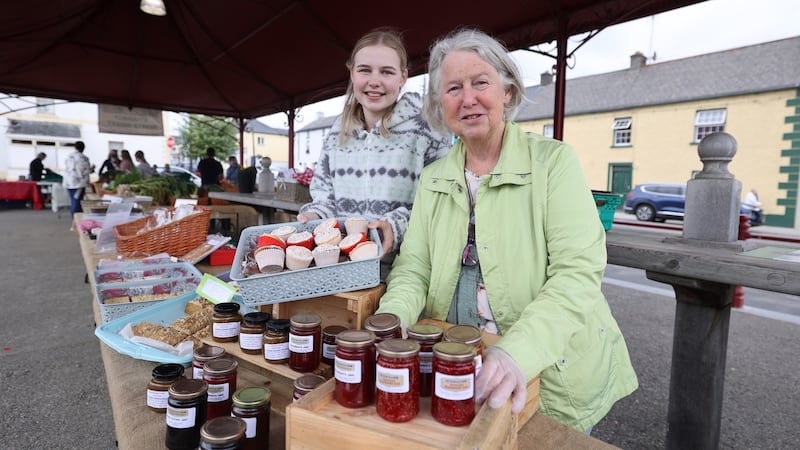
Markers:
point(200, 132)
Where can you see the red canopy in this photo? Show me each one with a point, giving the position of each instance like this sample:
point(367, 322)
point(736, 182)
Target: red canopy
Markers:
point(249, 58)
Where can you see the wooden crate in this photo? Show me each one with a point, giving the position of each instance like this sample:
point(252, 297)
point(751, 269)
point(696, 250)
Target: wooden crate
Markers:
point(348, 309)
point(317, 421)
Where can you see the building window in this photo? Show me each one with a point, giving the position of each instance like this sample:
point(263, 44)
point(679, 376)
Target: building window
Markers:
point(622, 132)
point(45, 106)
point(260, 140)
point(547, 130)
point(709, 121)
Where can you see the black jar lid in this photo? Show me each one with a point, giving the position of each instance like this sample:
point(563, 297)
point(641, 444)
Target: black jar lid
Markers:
point(223, 430)
point(278, 325)
point(226, 308)
point(168, 371)
point(256, 318)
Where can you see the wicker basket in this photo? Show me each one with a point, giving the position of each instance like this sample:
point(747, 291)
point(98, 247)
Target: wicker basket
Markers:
point(175, 238)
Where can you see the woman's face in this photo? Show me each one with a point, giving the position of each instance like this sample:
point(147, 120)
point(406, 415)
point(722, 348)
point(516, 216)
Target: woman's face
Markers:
point(472, 96)
point(377, 79)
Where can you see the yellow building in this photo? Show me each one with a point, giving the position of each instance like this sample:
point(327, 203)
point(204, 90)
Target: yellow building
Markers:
point(261, 140)
point(643, 124)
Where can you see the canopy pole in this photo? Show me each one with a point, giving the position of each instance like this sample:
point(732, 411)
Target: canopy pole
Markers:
point(241, 141)
point(561, 80)
point(291, 115)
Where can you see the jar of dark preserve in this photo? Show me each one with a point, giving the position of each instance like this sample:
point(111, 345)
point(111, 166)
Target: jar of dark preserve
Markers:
point(276, 341)
point(397, 380)
point(470, 335)
point(453, 397)
point(251, 333)
point(252, 405)
point(426, 335)
point(384, 325)
point(220, 374)
point(222, 433)
point(354, 368)
point(305, 336)
point(158, 387)
point(305, 384)
point(202, 355)
point(329, 334)
point(225, 322)
point(186, 413)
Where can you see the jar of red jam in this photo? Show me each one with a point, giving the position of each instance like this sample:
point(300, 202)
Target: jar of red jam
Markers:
point(276, 341)
point(225, 322)
point(426, 335)
point(220, 374)
point(251, 333)
point(305, 336)
point(470, 335)
point(186, 413)
point(329, 334)
point(453, 397)
point(354, 368)
point(305, 384)
point(158, 387)
point(384, 325)
point(202, 355)
point(397, 380)
point(252, 405)
point(222, 433)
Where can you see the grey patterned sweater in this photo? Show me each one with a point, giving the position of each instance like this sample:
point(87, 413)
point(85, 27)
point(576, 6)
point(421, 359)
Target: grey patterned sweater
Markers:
point(374, 176)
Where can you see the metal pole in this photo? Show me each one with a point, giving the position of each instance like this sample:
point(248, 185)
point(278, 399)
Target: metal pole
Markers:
point(561, 80)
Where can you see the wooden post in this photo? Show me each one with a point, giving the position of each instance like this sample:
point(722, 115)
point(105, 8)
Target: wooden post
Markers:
point(702, 314)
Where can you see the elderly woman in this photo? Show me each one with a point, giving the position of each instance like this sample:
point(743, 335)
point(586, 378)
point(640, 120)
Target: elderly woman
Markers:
point(505, 235)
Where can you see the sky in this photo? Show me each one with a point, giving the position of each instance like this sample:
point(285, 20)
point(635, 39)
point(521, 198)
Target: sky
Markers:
point(710, 26)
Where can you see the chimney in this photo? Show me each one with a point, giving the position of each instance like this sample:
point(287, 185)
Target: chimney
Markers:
point(638, 60)
point(546, 78)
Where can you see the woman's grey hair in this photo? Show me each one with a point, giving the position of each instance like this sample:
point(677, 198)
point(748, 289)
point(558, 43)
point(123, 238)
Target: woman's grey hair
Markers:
point(491, 51)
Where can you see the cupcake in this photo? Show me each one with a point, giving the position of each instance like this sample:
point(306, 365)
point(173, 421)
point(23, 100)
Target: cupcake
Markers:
point(326, 254)
point(350, 241)
point(325, 225)
point(364, 250)
point(283, 232)
point(270, 259)
point(330, 236)
point(298, 257)
point(303, 238)
point(355, 225)
point(265, 240)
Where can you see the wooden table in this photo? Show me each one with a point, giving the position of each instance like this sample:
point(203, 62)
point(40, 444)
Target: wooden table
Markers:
point(265, 202)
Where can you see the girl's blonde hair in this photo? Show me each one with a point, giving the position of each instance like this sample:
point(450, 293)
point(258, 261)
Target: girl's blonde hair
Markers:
point(353, 114)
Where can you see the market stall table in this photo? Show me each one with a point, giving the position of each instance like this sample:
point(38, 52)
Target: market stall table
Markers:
point(137, 427)
point(22, 190)
point(265, 202)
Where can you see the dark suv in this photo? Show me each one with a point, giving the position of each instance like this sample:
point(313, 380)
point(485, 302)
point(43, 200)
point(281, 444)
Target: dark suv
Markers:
point(657, 202)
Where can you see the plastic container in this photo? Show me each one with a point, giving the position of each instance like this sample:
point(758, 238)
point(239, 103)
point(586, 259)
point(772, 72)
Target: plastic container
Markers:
point(607, 204)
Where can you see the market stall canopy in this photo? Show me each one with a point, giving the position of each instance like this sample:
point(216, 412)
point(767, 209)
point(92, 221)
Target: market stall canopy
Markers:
point(249, 58)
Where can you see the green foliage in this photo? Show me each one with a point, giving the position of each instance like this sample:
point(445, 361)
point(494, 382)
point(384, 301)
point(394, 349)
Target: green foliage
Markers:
point(125, 178)
point(200, 132)
point(162, 189)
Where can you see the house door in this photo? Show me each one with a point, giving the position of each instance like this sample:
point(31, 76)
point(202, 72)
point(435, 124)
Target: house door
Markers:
point(620, 177)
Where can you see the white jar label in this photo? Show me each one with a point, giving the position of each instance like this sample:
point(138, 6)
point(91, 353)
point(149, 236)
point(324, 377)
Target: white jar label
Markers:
point(328, 351)
point(276, 352)
point(301, 344)
point(251, 422)
point(249, 341)
point(157, 399)
point(197, 373)
point(425, 362)
point(454, 387)
point(218, 392)
point(226, 329)
point(395, 381)
point(181, 417)
point(347, 370)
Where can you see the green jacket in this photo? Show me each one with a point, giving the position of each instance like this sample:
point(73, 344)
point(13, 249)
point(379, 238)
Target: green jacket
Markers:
point(542, 251)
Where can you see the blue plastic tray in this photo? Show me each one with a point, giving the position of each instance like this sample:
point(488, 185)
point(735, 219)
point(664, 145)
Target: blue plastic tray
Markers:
point(164, 313)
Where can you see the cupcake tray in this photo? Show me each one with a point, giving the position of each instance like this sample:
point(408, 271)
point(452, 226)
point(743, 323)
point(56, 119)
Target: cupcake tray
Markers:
point(267, 289)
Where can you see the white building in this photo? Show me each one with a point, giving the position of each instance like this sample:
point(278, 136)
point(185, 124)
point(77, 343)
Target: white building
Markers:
point(308, 141)
point(29, 125)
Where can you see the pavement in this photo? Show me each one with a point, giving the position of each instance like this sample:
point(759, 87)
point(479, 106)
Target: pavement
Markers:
point(54, 392)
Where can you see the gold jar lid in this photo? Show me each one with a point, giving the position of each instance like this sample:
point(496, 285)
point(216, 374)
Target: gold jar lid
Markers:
point(251, 397)
point(305, 320)
point(381, 322)
point(308, 383)
point(220, 366)
point(425, 332)
point(467, 334)
point(454, 351)
point(398, 348)
point(223, 430)
point(355, 338)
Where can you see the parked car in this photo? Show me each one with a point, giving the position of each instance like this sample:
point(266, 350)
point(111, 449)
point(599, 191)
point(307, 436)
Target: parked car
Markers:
point(181, 172)
point(657, 202)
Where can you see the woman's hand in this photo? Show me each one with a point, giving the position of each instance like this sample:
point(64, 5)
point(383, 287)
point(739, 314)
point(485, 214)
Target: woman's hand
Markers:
point(501, 378)
point(387, 235)
point(305, 217)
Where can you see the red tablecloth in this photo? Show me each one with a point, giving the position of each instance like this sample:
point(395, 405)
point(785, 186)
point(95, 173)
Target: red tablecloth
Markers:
point(22, 190)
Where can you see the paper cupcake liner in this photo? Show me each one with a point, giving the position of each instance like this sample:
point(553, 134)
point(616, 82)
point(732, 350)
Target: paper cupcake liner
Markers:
point(298, 257)
point(355, 225)
point(270, 259)
point(325, 255)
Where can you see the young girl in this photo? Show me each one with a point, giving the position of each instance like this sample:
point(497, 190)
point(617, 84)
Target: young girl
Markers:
point(372, 158)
